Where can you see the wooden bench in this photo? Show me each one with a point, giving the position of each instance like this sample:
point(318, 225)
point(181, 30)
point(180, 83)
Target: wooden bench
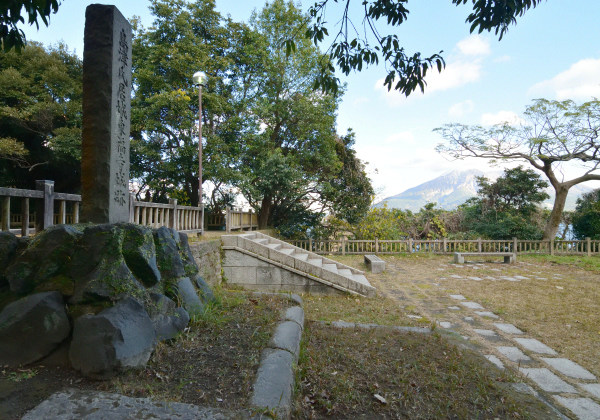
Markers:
point(375, 264)
point(509, 257)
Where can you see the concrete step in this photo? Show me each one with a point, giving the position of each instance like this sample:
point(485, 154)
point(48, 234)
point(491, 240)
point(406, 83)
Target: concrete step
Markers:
point(330, 267)
point(315, 267)
point(316, 262)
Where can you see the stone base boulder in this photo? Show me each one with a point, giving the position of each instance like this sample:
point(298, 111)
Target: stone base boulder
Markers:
point(118, 337)
point(31, 327)
point(168, 319)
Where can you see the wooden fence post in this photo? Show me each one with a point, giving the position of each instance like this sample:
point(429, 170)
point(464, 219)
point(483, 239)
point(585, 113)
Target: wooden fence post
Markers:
point(6, 213)
point(227, 219)
point(45, 211)
point(131, 207)
point(515, 244)
point(174, 215)
point(25, 217)
point(588, 244)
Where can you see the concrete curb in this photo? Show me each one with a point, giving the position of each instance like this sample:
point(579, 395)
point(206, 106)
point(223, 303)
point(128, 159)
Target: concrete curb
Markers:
point(274, 383)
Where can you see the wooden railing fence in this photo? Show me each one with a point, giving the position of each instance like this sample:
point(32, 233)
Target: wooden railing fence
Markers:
point(52, 208)
point(446, 246)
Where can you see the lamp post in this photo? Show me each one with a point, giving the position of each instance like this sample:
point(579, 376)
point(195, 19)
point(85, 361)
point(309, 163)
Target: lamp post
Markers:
point(199, 79)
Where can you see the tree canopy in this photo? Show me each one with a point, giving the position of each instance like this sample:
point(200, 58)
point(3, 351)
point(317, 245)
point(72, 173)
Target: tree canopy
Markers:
point(550, 134)
point(354, 45)
point(40, 117)
point(11, 36)
point(586, 217)
point(508, 207)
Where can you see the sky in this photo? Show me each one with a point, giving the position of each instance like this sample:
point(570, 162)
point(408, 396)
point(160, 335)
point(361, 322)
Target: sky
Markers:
point(552, 52)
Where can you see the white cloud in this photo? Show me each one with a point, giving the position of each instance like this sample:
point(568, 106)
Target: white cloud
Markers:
point(455, 74)
point(461, 108)
point(501, 117)
point(474, 45)
point(580, 82)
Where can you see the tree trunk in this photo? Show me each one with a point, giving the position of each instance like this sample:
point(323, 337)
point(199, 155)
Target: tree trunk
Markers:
point(265, 212)
point(557, 210)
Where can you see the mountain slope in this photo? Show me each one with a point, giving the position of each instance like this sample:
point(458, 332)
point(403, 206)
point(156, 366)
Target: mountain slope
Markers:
point(454, 188)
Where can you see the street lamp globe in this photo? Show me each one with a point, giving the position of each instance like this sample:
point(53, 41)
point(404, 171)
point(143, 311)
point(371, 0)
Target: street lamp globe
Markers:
point(199, 78)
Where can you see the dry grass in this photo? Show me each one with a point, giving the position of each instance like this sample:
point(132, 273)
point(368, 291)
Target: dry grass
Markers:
point(562, 311)
point(419, 377)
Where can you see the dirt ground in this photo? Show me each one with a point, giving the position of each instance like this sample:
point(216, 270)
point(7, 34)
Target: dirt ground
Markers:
point(213, 363)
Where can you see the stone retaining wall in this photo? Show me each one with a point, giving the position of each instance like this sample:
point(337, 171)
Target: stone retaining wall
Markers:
point(207, 255)
point(254, 273)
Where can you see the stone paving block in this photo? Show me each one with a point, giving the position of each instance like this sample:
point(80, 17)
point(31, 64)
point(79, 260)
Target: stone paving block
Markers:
point(79, 404)
point(468, 318)
point(475, 278)
point(296, 314)
point(535, 346)
point(487, 314)
point(493, 359)
point(456, 276)
point(521, 278)
point(524, 388)
point(507, 328)
point(414, 316)
point(485, 333)
point(514, 354)
point(445, 324)
point(471, 305)
point(583, 408)
point(287, 337)
point(458, 297)
point(454, 308)
point(568, 368)
point(547, 380)
point(274, 381)
point(593, 389)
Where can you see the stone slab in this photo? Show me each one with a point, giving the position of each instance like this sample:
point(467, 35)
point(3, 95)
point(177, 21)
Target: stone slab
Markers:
point(568, 368)
point(583, 408)
point(454, 308)
point(514, 354)
point(507, 328)
point(274, 382)
point(458, 297)
point(471, 305)
point(485, 333)
point(535, 346)
point(487, 314)
point(296, 314)
point(445, 324)
point(240, 275)
point(493, 359)
point(74, 404)
point(287, 337)
point(593, 389)
point(547, 380)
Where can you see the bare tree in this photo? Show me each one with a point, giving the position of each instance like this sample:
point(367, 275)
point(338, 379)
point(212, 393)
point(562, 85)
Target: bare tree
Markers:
point(550, 134)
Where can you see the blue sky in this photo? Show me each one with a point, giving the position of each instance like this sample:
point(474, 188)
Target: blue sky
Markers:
point(552, 52)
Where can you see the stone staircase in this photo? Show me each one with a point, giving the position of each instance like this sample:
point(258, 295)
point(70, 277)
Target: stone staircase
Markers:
point(260, 261)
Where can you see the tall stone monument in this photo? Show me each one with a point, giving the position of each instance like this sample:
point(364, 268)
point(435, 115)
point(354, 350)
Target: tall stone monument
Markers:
point(106, 115)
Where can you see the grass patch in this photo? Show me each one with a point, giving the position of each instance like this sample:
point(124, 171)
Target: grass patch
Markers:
point(579, 261)
point(419, 376)
point(378, 310)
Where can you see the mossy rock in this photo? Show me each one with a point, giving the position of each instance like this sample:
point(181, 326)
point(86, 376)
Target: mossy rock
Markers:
point(8, 248)
point(46, 256)
point(139, 252)
point(168, 258)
